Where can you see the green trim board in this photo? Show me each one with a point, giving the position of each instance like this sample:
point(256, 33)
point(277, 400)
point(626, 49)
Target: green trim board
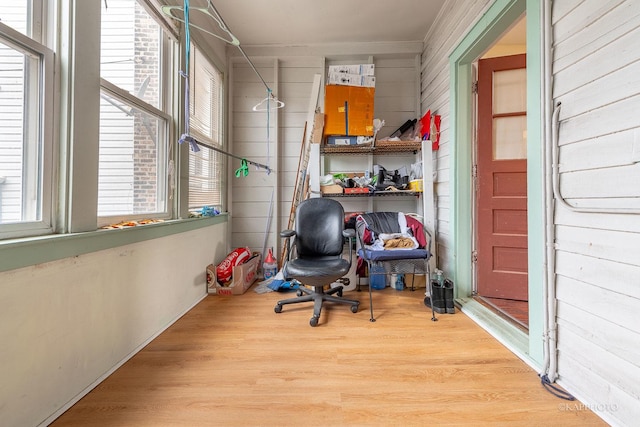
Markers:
point(535, 178)
point(20, 253)
point(495, 21)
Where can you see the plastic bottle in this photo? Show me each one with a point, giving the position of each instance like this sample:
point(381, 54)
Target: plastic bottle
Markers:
point(269, 266)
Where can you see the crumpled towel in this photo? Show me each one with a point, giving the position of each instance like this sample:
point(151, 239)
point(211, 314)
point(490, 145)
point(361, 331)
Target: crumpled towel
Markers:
point(398, 243)
point(395, 241)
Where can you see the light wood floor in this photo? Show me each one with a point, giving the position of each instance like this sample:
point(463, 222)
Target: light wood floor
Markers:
point(231, 361)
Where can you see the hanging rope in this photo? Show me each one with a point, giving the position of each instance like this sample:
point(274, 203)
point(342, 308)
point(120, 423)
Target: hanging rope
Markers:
point(185, 137)
point(268, 127)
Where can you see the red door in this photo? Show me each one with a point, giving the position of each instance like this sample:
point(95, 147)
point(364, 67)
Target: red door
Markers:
point(502, 178)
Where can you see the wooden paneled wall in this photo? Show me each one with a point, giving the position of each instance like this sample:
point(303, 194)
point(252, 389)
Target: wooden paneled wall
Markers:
point(595, 77)
point(290, 76)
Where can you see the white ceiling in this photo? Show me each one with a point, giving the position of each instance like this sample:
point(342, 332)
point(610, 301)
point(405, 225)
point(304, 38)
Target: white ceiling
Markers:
point(293, 22)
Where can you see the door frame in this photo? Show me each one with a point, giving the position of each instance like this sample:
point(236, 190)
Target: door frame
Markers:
point(492, 24)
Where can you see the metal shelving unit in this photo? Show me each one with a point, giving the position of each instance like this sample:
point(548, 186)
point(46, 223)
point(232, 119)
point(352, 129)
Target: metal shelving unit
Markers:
point(381, 147)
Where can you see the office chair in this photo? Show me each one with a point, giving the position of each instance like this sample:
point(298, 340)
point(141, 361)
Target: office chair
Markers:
point(317, 242)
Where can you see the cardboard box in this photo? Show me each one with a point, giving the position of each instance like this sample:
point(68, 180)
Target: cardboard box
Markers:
point(242, 278)
point(356, 190)
point(419, 281)
point(349, 140)
point(342, 140)
point(363, 69)
point(318, 128)
point(351, 80)
point(331, 189)
point(348, 110)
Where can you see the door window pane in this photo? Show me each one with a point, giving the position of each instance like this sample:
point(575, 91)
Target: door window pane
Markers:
point(510, 91)
point(510, 138)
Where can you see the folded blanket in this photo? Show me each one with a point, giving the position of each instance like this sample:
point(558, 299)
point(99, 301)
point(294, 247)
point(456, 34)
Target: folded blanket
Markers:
point(399, 243)
point(382, 222)
point(394, 241)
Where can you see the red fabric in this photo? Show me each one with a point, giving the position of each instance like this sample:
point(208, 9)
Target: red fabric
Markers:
point(425, 125)
point(435, 145)
point(417, 229)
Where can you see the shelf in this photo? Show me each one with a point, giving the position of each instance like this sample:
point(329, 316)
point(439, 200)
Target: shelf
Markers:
point(381, 147)
point(376, 194)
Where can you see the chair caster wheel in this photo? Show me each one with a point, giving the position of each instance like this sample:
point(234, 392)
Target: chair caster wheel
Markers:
point(313, 321)
point(278, 308)
point(339, 293)
point(354, 308)
point(299, 293)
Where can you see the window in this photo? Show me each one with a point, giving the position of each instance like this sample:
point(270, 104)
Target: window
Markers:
point(206, 170)
point(135, 161)
point(26, 122)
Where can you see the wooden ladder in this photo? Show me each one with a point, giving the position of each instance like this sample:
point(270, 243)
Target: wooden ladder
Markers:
point(300, 191)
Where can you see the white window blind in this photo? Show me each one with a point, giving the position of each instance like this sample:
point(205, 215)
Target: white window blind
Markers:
point(206, 167)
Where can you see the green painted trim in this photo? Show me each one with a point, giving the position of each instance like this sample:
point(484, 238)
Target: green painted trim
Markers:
point(462, 210)
point(535, 179)
point(26, 252)
point(497, 19)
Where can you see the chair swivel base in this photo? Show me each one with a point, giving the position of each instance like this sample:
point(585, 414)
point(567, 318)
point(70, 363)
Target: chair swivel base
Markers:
point(318, 296)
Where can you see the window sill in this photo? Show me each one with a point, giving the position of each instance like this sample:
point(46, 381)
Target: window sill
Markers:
point(18, 253)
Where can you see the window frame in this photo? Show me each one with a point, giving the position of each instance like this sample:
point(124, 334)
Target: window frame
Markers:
point(45, 130)
point(163, 111)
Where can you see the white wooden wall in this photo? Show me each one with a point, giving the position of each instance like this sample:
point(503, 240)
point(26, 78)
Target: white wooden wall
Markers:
point(396, 101)
point(452, 24)
point(66, 325)
point(596, 71)
point(251, 138)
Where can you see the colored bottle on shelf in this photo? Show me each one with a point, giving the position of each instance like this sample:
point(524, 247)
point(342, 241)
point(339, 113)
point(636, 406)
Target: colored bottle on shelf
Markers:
point(269, 266)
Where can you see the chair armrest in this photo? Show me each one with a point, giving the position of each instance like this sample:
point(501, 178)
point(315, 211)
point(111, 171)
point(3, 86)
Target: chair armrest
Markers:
point(287, 233)
point(350, 234)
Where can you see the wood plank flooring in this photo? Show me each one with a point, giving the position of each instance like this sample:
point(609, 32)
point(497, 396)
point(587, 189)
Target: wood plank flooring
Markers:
point(231, 361)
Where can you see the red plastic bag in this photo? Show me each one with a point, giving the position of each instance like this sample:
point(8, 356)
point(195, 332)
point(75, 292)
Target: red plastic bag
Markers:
point(224, 270)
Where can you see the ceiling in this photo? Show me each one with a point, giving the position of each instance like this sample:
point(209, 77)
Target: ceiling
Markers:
point(307, 22)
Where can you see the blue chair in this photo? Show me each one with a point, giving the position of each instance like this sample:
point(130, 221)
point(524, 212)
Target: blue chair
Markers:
point(385, 261)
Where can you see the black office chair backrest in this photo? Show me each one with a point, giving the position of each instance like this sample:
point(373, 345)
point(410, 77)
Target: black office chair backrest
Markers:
point(319, 226)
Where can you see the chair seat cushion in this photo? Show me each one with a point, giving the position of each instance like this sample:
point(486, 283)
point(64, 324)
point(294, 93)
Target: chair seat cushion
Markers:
point(391, 255)
point(317, 271)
